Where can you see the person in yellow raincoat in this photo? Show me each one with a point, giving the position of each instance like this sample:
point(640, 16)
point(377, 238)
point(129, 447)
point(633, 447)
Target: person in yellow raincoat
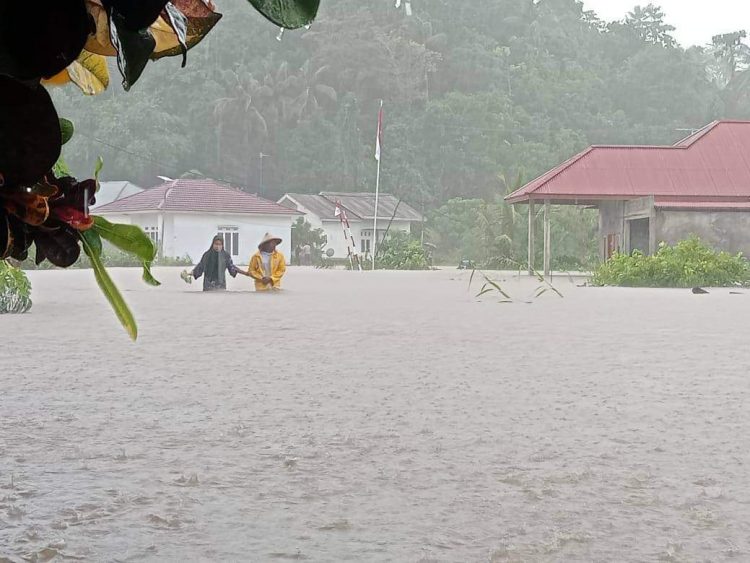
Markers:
point(268, 265)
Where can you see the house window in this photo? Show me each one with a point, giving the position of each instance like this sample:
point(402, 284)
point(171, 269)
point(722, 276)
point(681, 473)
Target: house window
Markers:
point(367, 238)
point(231, 236)
point(153, 234)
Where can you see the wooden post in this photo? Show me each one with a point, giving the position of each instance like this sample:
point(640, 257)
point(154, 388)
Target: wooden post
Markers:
point(652, 218)
point(547, 240)
point(602, 237)
point(532, 236)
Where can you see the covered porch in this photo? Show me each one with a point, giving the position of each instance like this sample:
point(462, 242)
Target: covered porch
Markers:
point(607, 245)
point(647, 193)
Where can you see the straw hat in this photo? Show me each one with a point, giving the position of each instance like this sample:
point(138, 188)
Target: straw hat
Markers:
point(268, 238)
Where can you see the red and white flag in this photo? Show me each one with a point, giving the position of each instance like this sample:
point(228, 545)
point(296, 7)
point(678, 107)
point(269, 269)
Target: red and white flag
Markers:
point(379, 139)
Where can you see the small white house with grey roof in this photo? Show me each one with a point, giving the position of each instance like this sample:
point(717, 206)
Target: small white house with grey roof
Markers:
point(393, 215)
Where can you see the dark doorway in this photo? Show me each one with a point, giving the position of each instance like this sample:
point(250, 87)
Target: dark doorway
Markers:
point(640, 235)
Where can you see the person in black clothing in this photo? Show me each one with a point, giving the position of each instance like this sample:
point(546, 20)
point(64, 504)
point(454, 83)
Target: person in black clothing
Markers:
point(213, 266)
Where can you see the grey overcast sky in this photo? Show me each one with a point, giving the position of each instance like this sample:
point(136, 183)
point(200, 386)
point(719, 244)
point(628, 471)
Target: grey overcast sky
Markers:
point(696, 20)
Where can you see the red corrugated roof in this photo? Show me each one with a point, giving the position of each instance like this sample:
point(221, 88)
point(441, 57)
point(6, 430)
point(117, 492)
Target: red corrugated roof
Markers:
point(203, 196)
point(714, 162)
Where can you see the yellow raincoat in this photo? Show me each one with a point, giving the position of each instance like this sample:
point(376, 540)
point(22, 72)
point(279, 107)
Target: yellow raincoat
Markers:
point(278, 269)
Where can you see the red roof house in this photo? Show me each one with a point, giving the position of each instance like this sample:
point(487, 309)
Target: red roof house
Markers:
point(649, 194)
point(182, 216)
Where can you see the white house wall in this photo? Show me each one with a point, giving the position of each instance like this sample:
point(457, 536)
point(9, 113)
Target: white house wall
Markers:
point(168, 241)
point(335, 233)
point(122, 219)
point(191, 234)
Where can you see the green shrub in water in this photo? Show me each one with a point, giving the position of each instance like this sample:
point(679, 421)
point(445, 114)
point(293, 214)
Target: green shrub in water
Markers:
point(15, 290)
point(401, 252)
point(690, 263)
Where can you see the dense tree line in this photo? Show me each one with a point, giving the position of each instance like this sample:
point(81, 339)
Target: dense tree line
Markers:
point(473, 91)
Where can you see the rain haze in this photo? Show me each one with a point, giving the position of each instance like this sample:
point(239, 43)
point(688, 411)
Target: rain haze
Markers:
point(696, 21)
point(422, 281)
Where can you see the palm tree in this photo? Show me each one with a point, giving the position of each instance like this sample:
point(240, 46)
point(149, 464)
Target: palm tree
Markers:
point(313, 92)
point(496, 222)
point(238, 116)
point(730, 71)
point(251, 115)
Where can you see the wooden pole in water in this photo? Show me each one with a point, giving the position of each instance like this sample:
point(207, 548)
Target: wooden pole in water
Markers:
point(547, 240)
point(532, 236)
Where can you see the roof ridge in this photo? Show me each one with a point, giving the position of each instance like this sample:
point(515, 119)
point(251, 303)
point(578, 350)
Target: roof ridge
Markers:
point(145, 190)
point(354, 194)
point(325, 195)
point(659, 147)
point(696, 136)
point(202, 195)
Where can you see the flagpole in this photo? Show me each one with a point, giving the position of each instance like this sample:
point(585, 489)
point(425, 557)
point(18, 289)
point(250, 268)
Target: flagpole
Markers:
point(377, 189)
point(375, 221)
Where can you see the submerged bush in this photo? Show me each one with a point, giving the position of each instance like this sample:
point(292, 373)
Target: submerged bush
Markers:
point(690, 263)
point(15, 290)
point(401, 252)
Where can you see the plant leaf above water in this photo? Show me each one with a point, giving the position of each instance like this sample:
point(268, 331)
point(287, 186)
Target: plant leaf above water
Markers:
point(130, 239)
point(92, 245)
point(67, 129)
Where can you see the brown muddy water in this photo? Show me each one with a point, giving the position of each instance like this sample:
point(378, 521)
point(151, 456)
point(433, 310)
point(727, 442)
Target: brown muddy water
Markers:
point(374, 417)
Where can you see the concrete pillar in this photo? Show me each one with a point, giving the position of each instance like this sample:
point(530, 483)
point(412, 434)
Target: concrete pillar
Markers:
point(602, 236)
point(547, 239)
point(652, 243)
point(532, 236)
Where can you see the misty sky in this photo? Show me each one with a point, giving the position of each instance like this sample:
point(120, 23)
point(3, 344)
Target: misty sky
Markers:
point(696, 20)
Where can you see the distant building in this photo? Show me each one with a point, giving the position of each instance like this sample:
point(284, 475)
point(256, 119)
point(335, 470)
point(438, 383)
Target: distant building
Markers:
point(651, 194)
point(182, 216)
point(320, 210)
point(112, 191)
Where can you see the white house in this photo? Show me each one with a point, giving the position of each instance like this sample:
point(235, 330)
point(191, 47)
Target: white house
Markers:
point(320, 210)
point(182, 216)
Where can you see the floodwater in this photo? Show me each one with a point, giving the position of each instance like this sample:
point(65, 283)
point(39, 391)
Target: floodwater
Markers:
point(374, 417)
